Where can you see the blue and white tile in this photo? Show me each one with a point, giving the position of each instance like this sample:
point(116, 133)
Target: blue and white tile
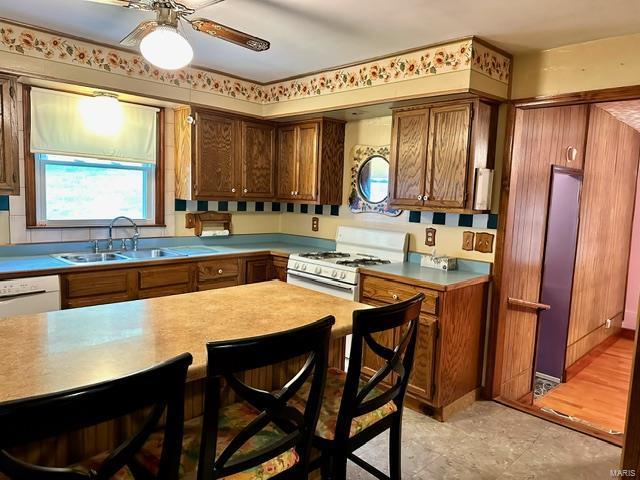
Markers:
point(480, 220)
point(192, 206)
point(426, 217)
point(452, 219)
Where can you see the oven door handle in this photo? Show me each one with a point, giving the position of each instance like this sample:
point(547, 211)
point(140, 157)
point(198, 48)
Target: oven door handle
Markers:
point(324, 282)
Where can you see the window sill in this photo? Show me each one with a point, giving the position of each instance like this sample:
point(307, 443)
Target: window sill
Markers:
point(106, 225)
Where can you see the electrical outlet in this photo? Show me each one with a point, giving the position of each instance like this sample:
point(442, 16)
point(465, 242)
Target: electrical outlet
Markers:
point(315, 224)
point(430, 237)
point(467, 241)
point(607, 324)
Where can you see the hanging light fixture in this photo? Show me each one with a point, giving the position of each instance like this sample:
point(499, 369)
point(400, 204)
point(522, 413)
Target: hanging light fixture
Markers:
point(165, 48)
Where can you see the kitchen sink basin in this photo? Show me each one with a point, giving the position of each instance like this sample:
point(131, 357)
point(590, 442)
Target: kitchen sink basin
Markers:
point(86, 258)
point(149, 253)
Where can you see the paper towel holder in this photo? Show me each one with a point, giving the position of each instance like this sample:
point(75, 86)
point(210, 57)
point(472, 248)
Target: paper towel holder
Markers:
point(197, 220)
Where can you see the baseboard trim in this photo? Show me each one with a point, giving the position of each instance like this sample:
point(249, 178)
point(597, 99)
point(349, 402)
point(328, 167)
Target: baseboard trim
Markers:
point(628, 333)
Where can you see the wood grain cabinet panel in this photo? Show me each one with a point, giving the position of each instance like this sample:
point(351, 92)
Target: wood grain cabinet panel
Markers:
point(408, 166)
point(278, 268)
point(153, 277)
point(9, 181)
point(448, 358)
point(310, 161)
point(436, 150)
point(257, 270)
point(258, 160)
point(448, 154)
point(215, 269)
point(287, 172)
point(96, 288)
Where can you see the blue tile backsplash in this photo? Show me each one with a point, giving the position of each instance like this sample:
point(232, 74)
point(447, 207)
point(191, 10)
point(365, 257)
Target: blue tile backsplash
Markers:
point(4, 203)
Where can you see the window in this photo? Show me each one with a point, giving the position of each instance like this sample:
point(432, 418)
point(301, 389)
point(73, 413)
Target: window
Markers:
point(74, 191)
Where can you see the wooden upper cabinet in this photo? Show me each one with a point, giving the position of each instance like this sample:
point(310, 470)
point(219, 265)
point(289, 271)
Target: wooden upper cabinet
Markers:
point(310, 161)
point(307, 164)
point(258, 160)
point(447, 156)
point(9, 181)
point(436, 150)
point(215, 157)
point(408, 157)
point(286, 163)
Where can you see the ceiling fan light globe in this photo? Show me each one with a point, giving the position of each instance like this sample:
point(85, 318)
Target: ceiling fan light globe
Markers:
point(166, 48)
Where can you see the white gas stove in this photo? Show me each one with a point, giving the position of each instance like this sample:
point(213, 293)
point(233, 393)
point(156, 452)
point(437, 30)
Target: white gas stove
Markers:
point(336, 272)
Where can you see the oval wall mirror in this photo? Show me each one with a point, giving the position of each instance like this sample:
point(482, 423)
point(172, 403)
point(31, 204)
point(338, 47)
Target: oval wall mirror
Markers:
point(373, 179)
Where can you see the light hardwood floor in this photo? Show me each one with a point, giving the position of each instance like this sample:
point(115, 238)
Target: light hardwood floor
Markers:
point(598, 394)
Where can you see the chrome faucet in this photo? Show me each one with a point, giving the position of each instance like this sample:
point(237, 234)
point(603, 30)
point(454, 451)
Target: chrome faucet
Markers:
point(134, 238)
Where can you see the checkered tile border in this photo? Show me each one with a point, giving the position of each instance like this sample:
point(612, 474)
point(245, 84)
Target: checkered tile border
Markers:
point(481, 220)
point(232, 206)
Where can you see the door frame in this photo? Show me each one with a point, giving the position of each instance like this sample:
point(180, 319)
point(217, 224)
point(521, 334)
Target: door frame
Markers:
point(496, 340)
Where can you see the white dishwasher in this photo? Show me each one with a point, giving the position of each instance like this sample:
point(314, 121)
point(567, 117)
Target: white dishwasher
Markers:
point(25, 296)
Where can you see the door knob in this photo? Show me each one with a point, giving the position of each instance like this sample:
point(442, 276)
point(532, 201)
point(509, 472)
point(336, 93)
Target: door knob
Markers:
point(233, 190)
point(245, 190)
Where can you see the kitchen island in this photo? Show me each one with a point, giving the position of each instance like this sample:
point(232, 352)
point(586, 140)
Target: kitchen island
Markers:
point(56, 351)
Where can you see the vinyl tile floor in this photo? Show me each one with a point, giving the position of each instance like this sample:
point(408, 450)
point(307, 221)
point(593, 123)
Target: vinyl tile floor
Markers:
point(491, 441)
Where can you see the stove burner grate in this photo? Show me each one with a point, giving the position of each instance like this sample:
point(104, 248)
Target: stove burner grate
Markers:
point(324, 255)
point(362, 262)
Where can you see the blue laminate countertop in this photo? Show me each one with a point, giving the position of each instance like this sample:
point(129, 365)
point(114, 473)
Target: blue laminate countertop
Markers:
point(428, 277)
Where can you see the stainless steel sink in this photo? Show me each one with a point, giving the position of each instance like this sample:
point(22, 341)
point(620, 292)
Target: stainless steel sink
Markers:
point(86, 258)
point(149, 253)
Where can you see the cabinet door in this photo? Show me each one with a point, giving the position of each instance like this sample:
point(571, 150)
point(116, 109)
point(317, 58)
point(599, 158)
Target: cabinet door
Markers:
point(421, 380)
point(286, 162)
point(448, 156)
point(278, 268)
point(9, 183)
point(258, 160)
point(257, 270)
point(215, 157)
point(97, 288)
point(408, 158)
point(307, 161)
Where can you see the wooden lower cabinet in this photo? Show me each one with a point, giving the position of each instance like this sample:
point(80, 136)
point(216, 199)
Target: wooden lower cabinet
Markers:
point(118, 284)
point(447, 368)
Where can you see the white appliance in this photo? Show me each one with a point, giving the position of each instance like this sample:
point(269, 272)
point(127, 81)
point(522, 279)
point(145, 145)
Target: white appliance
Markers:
point(29, 295)
point(336, 273)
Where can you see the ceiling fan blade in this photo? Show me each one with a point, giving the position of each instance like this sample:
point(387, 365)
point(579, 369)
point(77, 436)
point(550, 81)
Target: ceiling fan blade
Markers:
point(138, 33)
point(136, 4)
point(198, 4)
point(229, 34)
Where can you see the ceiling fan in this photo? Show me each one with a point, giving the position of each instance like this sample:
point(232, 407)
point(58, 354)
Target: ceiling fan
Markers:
point(159, 39)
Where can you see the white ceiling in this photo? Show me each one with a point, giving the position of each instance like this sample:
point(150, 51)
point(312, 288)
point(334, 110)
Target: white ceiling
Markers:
point(310, 35)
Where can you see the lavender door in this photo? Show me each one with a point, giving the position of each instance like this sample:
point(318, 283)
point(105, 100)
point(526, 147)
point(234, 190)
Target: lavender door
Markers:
point(557, 277)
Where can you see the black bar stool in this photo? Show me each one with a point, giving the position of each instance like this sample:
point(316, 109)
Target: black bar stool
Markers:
point(353, 411)
point(264, 436)
point(159, 389)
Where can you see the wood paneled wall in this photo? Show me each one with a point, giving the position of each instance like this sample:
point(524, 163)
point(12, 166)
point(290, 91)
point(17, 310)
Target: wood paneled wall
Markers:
point(606, 217)
point(540, 140)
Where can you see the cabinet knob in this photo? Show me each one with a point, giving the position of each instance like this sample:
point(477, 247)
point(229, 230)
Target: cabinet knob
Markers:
point(572, 154)
point(233, 190)
point(220, 271)
point(292, 192)
point(295, 193)
point(245, 190)
point(419, 197)
point(394, 296)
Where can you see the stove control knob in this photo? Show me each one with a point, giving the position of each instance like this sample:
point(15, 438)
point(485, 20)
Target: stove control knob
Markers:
point(334, 274)
point(342, 274)
point(296, 265)
point(304, 266)
point(318, 270)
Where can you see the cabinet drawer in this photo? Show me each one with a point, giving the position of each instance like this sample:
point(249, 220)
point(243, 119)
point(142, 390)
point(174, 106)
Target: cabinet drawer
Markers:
point(97, 283)
point(153, 277)
point(215, 269)
point(221, 283)
point(388, 291)
point(164, 291)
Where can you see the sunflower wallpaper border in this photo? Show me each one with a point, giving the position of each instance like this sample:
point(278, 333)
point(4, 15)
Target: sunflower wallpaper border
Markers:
point(435, 60)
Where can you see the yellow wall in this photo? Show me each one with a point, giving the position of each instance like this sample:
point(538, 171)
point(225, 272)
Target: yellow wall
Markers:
point(377, 131)
point(605, 63)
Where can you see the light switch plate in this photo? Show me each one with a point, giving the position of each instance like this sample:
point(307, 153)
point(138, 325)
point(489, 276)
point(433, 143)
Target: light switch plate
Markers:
point(315, 224)
point(430, 237)
point(467, 240)
point(484, 242)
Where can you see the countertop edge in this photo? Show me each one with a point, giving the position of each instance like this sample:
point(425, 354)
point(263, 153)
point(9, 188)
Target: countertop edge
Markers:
point(481, 278)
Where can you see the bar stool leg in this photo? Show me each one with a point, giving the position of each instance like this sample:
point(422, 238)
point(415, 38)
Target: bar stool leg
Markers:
point(339, 468)
point(395, 441)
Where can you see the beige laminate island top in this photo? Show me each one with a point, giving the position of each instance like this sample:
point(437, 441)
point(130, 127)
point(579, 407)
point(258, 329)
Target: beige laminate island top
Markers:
point(56, 351)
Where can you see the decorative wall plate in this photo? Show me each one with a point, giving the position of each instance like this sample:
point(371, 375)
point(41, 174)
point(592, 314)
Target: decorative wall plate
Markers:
point(364, 177)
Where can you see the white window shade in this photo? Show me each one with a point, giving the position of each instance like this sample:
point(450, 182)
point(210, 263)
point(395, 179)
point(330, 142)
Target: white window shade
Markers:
point(78, 125)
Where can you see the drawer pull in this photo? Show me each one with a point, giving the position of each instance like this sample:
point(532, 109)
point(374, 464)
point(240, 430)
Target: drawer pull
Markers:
point(394, 296)
point(220, 271)
point(526, 304)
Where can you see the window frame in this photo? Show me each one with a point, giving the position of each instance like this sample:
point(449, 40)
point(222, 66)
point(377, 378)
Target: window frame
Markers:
point(31, 199)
